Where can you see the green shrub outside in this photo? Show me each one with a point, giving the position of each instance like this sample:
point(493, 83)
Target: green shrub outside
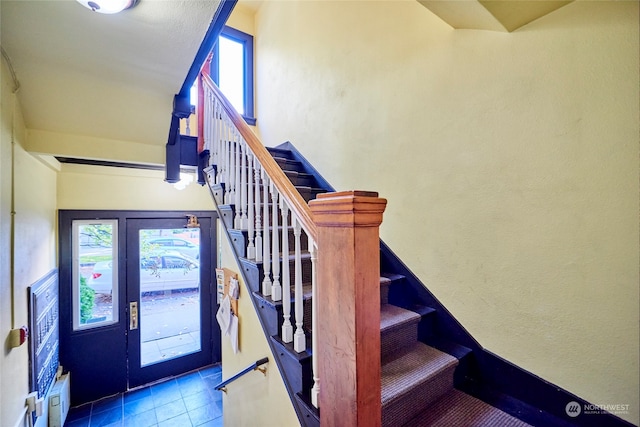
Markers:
point(87, 299)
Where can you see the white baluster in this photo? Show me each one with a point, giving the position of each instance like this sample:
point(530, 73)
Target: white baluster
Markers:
point(258, 209)
point(276, 287)
point(207, 121)
point(231, 164)
point(299, 343)
point(287, 328)
point(242, 181)
point(244, 217)
point(220, 149)
point(251, 249)
point(211, 121)
point(237, 184)
point(227, 163)
point(220, 156)
point(215, 131)
point(315, 390)
point(209, 126)
point(206, 110)
point(266, 254)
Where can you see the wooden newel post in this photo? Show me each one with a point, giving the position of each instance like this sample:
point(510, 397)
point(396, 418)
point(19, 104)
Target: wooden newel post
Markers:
point(348, 304)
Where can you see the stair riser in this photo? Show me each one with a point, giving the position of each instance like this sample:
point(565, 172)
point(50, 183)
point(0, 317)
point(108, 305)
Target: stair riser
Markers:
point(282, 153)
point(288, 164)
point(403, 408)
point(226, 215)
point(393, 340)
point(271, 321)
point(309, 194)
point(299, 372)
point(275, 318)
point(426, 327)
point(384, 292)
point(298, 178)
point(217, 190)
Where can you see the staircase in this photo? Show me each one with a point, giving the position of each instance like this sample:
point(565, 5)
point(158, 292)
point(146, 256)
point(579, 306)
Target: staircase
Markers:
point(417, 379)
point(433, 373)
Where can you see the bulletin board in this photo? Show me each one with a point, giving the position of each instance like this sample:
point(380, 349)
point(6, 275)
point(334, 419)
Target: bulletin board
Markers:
point(224, 276)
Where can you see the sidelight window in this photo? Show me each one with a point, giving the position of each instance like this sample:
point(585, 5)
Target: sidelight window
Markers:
point(94, 273)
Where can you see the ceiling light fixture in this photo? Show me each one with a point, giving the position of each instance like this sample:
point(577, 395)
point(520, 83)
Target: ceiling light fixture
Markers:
point(185, 180)
point(108, 6)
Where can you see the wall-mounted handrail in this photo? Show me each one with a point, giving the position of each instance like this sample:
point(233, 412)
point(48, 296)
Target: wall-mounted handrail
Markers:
point(253, 367)
point(295, 201)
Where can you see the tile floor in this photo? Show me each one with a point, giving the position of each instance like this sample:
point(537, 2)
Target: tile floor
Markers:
point(185, 401)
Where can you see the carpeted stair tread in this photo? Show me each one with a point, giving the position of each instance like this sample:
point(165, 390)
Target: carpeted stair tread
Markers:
point(458, 409)
point(413, 381)
point(392, 316)
point(418, 365)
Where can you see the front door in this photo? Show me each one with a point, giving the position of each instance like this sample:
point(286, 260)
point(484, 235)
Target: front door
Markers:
point(169, 298)
point(135, 298)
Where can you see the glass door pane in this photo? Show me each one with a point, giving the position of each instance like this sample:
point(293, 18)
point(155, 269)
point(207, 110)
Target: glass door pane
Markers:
point(169, 299)
point(169, 294)
point(95, 273)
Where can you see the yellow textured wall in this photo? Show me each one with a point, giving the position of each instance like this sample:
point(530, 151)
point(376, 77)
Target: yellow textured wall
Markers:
point(33, 192)
point(242, 18)
point(270, 403)
point(87, 147)
point(509, 161)
point(8, 415)
point(97, 187)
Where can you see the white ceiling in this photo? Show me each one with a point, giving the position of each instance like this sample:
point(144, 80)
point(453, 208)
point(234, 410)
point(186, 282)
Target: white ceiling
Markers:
point(492, 15)
point(87, 76)
point(103, 76)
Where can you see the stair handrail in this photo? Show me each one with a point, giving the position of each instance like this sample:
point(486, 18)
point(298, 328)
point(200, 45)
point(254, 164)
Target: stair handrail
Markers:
point(241, 172)
point(253, 367)
point(252, 193)
point(294, 200)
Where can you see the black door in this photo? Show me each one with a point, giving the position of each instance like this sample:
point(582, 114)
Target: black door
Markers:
point(132, 308)
point(169, 298)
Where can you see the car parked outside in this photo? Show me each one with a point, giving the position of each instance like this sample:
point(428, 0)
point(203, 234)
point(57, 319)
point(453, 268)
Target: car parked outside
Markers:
point(158, 272)
point(182, 246)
